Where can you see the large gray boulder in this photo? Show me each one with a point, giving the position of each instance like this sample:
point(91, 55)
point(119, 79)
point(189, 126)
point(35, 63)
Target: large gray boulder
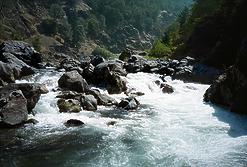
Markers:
point(31, 91)
point(11, 68)
point(109, 74)
point(73, 81)
point(22, 51)
point(13, 107)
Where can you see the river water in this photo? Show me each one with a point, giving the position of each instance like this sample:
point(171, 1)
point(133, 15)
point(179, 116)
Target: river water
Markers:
point(176, 129)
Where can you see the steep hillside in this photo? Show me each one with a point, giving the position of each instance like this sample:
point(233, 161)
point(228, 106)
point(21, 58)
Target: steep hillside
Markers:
point(215, 33)
point(70, 26)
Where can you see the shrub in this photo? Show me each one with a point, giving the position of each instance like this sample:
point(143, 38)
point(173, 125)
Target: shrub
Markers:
point(104, 53)
point(160, 50)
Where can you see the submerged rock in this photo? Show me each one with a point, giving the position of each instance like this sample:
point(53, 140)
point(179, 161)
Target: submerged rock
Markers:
point(73, 81)
point(69, 105)
point(74, 123)
point(111, 123)
point(88, 102)
point(103, 99)
point(166, 88)
point(129, 103)
point(13, 107)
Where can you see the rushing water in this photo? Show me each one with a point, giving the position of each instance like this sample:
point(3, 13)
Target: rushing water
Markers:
point(176, 129)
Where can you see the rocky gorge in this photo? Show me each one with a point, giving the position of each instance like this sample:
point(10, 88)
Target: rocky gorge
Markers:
point(93, 96)
point(19, 59)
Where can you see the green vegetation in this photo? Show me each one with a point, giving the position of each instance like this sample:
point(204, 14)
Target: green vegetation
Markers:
point(160, 50)
point(174, 40)
point(104, 53)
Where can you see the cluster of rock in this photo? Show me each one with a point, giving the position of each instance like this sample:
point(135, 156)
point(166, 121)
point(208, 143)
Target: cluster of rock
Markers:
point(76, 92)
point(186, 69)
point(18, 59)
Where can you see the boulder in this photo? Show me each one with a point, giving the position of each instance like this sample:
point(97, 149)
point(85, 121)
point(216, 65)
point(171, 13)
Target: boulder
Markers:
point(103, 99)
point(230, 90)
point(69, 64)
point(73, 123)
point(108, 74)
point(165, 70)
point(69, 95)
point(22, 51)
point(125, 55)
point(88, 102)
point(69, 106)
point(129, 103)
point(11, 68)
point(166, 88)
point(96, 60)
point(13, 107)
point(115, 84)
point(88, 73)
point(73, 81)
point(132, 68)
point(31, 91)
point(109, 66)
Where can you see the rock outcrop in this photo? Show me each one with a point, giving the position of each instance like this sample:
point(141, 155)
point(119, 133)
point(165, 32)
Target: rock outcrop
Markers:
point(22, 51)
point(229, 90)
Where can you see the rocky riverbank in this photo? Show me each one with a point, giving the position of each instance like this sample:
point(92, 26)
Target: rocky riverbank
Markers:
point(19, 59)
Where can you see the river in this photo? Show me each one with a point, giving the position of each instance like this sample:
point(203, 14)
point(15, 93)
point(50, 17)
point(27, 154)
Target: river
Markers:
point(176, 129)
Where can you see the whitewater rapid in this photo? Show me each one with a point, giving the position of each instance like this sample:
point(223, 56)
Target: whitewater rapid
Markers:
point(176, 129)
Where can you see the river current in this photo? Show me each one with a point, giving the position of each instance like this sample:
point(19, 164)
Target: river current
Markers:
point(176, 129)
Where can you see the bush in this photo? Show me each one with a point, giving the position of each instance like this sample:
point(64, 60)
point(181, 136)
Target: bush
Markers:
point(104, 53)
point(160, 50)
